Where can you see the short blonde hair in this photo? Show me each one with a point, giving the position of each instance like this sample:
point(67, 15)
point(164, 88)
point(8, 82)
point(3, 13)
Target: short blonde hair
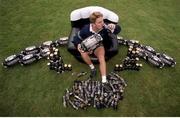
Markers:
point(94, 16)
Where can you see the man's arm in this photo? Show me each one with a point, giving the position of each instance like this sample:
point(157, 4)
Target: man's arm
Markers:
point(114, 28)
point(117, 29)
point(80, 36)
point(77, 39)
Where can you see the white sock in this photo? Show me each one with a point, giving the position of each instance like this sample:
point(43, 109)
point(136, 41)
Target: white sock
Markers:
point(104, 79)
point(91, 66)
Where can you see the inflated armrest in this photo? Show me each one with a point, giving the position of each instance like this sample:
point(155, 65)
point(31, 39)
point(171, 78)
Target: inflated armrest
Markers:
point(113, 50)
point(71, 48)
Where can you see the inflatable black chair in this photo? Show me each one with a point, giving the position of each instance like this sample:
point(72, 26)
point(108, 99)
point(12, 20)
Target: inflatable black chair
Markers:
point(79, 18)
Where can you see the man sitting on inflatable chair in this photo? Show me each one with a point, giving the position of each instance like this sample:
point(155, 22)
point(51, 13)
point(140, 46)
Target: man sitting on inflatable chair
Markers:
point(93, 39)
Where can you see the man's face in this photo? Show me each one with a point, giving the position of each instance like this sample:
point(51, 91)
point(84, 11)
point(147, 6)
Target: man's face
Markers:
point(99, 23)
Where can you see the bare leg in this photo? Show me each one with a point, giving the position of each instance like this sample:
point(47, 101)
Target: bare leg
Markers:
point(100, 53)
point(84, 55)
point(86, 58)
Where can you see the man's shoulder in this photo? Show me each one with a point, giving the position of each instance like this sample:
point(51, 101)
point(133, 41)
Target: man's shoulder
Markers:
point(85, 30)
point(86, 27)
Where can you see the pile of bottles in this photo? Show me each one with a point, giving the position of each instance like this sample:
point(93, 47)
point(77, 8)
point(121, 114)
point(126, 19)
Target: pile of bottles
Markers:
point(33, 53)
point(147, 53)
point(131, 60)
point(88, 93)
point(56, 62)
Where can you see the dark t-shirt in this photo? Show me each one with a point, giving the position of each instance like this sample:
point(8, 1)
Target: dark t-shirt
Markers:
point(105, 34)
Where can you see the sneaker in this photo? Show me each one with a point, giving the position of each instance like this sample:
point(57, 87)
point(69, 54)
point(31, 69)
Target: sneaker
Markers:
point(93, 73)
point(104, 80)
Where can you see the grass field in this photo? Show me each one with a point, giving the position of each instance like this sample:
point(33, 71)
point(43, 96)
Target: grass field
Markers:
point(36, 91)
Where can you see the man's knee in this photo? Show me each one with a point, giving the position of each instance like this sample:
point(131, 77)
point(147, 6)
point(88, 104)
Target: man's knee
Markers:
point(84, 54)
point(101, 58)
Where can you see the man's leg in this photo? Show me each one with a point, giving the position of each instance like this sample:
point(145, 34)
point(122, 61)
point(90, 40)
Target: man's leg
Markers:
point(88, 61)
point(86, 58)
point(100, 53)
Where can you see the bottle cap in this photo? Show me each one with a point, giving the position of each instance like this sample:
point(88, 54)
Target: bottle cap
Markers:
point(69, 65)
point(117, 65)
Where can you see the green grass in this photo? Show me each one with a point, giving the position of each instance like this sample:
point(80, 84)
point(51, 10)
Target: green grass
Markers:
point(36, 91)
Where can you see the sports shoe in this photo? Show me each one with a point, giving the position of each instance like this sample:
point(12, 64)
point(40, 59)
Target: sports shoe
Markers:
point(93, 73)
point(104, 80)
